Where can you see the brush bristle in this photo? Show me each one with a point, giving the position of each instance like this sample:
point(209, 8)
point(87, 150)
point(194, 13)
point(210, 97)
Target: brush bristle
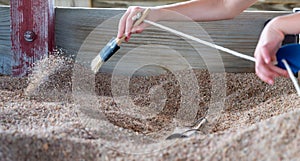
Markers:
point(96, 64)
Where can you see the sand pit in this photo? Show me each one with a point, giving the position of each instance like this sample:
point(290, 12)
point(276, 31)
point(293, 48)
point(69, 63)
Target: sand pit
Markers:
point(45, 117)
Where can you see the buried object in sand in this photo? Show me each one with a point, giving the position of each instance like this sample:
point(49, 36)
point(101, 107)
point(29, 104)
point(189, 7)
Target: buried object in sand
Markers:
point(194, 129)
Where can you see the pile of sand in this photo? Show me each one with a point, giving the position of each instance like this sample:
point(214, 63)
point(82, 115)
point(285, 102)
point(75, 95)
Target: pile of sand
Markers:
point(40, 120)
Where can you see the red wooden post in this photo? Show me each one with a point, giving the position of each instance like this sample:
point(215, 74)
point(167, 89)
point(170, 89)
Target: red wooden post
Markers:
point(32, 35)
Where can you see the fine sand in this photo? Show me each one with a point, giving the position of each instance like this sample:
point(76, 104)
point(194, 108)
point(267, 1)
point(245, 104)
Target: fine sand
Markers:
point(54, 115)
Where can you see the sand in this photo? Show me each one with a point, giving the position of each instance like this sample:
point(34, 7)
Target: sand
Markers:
point(42, 119)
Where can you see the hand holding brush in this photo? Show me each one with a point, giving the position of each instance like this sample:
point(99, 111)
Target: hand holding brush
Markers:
point(114, 44)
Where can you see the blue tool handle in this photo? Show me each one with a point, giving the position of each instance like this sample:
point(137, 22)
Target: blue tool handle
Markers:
point(291, 53)
point(110, 49)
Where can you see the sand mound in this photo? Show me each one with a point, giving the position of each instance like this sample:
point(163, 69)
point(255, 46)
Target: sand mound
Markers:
point(40, 119)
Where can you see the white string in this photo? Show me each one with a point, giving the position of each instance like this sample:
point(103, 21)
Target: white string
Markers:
point(201, 41)
point(293, 78)
point(229, 51)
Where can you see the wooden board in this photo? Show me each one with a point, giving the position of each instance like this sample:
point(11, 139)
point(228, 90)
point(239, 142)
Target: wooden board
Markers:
point(83, 32)
point(5, 44)
point(73, 3)
point(125, 4)
point(37, 17)
point(240, 34)
point(269, 5)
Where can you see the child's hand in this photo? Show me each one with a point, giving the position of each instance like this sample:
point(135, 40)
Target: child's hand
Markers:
point(127, 21)
point(265, 53)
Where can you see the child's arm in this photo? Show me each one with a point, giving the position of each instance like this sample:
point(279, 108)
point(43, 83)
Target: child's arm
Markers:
point(200, 10)
point(269, 43)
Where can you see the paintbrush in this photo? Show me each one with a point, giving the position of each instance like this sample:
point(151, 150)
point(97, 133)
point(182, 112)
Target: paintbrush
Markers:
point(114, 45)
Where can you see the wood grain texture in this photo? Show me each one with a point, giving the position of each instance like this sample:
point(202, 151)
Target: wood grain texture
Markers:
point(73, 3)
point(84, 32)
point(5, 43)
point(36, 16)
point(269, 5)
point(125, 4)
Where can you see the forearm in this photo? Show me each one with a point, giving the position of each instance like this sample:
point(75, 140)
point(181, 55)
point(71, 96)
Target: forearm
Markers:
point(287, 24)
point(202, 10)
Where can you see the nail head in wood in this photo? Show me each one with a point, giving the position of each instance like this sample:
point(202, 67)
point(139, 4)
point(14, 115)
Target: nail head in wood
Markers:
point(29, 36)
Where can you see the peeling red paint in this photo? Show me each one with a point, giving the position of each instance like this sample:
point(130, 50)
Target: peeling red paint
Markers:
point(36, 16)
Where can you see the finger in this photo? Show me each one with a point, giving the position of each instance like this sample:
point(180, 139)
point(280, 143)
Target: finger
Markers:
point(128, 36)
point(138, 29)
point(279, 71)
point(266, 76)
point(129, 21)
point(122, 24)
point(264, 72)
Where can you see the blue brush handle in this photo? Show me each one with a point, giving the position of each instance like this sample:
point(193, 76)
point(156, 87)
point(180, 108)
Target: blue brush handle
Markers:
point(291, 53)
point(110, 49)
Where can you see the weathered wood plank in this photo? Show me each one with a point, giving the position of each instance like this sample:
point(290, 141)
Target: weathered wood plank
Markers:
point(275, 5)
point(270, 5)
point(34, 18)
point(73, 3)
point(240, 34)
point(84, 32)
point(279, 1)
point(125, 4)
point(5, 44)
point(74, 24)
point(4, 2)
